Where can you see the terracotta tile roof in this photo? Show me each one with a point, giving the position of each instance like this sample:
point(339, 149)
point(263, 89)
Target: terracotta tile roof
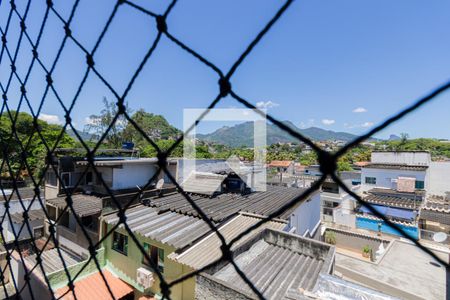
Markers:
point(361, 163)
point(146, 298)
point(93, 287)
point(436, 203)
point(393, 201)
point(280, 163)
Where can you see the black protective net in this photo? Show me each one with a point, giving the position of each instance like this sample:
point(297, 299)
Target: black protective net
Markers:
point(11, 144)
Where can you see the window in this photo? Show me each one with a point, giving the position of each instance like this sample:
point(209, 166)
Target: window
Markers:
point(90, 222)
point(371, 180)
point(65, 177)
point(330, 187)
point(89, 178)
point(38, 232)
point(51, 212)
point(420, 184)
point(156, 255)
point(51, 178)
point(120, 243)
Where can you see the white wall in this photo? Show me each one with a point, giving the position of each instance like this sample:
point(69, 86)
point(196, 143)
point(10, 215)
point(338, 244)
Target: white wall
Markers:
point(384, 177)
point(306, 216)
point(439, 178)
point(24, 233)
point(131, 175)
point(16, 207)
point(409, 158)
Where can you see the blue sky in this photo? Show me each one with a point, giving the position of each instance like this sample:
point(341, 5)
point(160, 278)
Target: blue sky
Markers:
point(339, 65)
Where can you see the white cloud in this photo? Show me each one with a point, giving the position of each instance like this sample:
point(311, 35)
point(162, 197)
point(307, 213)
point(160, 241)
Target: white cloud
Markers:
point(328, 122)
point(359, 110)
point(304, 125)
point(363, 125)
point(266, 104)
point(51, 119)
point(89, 121)
point(367, 124)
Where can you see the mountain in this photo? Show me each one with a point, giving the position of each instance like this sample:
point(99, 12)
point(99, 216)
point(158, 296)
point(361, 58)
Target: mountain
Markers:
point(394, 137)
point(84, 135)
point(242, 135)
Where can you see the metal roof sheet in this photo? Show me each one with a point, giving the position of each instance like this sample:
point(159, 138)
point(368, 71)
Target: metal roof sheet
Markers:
point(208, 249)
point(275, 271)
point(203, 183)
point(226, 205)
point(169, 228)
point(51, 261)
point(84, 205)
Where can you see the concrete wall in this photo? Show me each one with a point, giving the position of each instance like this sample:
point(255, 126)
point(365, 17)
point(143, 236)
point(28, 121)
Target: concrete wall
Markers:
point(384, 177)
point(306, 216)
point(439, 178)
point(131, 175)
point(24, 233)
point(125, 266)
point(356, 242)
point(409, 158)
point(37, 285)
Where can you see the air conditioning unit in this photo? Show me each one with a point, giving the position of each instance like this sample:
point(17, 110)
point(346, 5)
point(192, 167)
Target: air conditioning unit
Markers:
point(144, 277)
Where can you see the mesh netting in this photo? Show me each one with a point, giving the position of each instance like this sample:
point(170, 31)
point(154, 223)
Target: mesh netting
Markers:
point(13, 40)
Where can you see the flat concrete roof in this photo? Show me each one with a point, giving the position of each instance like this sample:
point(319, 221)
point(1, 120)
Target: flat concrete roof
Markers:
point(405, 271)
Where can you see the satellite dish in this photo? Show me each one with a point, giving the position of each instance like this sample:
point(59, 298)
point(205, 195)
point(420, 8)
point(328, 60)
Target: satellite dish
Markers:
point(439, 237)
point(160, 184)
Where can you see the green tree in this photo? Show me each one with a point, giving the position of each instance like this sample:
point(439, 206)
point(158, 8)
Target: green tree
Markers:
point(25, 135)
point(154, 126)
point(98, 124)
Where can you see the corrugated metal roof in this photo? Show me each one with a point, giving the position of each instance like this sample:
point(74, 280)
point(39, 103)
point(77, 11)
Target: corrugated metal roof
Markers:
point(33, 215)
point(203, 183)
point(275, 271)
point(84, 205)
point(94, 287)
point(226, 205)
point(169, 228)
point(396, 166)
point(51, 261)
point(208, 249)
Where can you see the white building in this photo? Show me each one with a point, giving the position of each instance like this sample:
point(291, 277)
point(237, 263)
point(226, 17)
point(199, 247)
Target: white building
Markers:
point(117, 173)
point(386, 168)
point(337, 205)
